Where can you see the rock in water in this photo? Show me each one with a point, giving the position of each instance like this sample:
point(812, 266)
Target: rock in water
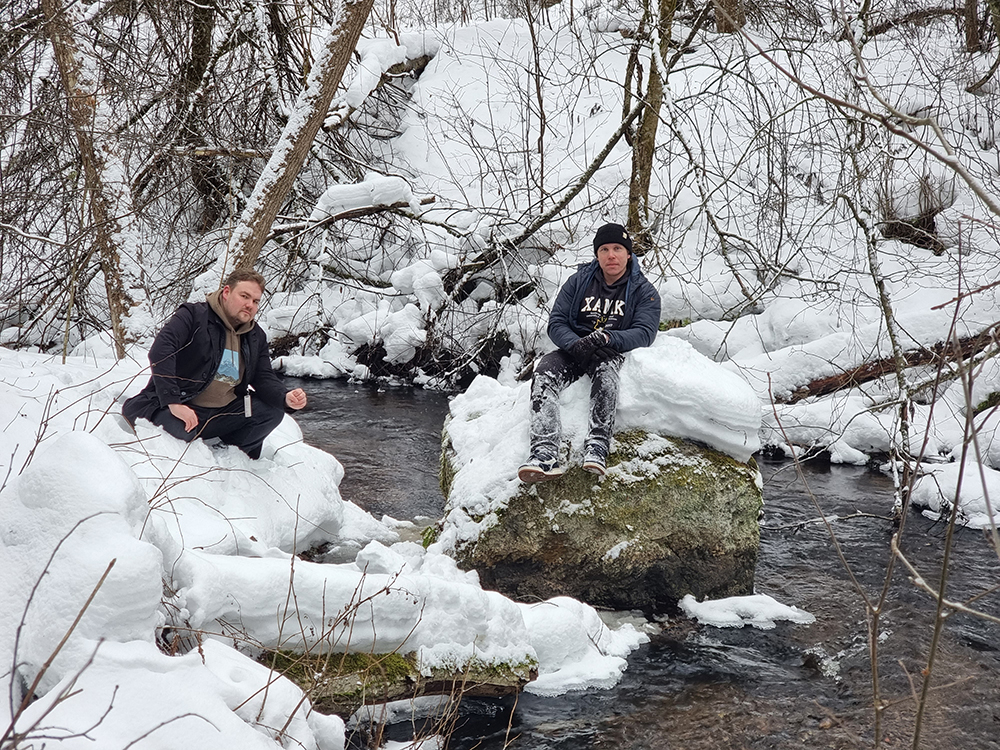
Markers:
point(670, 518)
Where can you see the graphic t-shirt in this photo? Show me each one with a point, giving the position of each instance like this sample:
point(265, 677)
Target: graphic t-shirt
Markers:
point(222, 389)
point(229, 368)
point(603, 306)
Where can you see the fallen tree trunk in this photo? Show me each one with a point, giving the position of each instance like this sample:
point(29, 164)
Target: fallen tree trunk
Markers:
point(943, 351)
point(342, 683)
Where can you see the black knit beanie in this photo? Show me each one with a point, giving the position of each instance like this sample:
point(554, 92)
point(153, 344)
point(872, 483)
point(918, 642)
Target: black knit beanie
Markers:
point(615, 233)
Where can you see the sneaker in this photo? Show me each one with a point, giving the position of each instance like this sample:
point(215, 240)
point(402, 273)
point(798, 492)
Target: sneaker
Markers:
point(594, 464)
point(539, 471)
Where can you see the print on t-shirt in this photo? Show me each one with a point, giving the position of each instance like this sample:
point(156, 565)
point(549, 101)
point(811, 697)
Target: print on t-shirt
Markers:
point(229, 367)
point(603, 306)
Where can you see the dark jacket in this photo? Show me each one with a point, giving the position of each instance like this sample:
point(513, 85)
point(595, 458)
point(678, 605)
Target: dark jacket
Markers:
point(639, 324)
point(185, 357)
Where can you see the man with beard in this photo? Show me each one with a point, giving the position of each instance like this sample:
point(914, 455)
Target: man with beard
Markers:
point(211, 371)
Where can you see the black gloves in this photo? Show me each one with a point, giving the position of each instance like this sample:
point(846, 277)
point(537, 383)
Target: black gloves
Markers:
point(583, 350)
point(605, 353)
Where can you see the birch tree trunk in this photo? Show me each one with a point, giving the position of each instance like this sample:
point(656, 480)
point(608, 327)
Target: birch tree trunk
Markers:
point(110, 204)
point(293, 146)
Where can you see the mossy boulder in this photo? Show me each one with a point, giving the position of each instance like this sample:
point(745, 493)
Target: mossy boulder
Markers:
point(670, 518)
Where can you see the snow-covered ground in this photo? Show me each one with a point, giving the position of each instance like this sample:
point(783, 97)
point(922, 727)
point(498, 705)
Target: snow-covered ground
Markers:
point(130, 534)
point(134, 533)
point(202, 540)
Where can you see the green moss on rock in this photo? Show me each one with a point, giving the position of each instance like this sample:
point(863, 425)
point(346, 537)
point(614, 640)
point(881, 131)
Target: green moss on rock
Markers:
point(671, 518)
point(446, 472)
point(989, 402)
point(667, 325)
point(339, 683)
point(429, 535)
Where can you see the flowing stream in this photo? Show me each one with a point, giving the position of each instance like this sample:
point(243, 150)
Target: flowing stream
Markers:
point(693, 687)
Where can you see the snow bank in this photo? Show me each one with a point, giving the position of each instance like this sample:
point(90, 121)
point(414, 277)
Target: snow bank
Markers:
point(75, 544)
point(384, 602)
point(779, 373)
point(162, 533)
point(671, 389)
point(576, 650)
point(71, 518)
point(759, 610)
point(977, 488)
point(215, 698)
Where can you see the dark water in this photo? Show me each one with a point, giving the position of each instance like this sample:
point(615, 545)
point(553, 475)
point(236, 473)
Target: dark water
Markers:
point(700, 687)
point(388, 440)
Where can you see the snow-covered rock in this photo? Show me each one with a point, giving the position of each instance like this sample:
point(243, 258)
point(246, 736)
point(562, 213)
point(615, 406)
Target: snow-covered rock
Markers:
point(671, 518)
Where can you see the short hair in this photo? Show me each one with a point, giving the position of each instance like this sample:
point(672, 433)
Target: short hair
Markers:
point(244, 274)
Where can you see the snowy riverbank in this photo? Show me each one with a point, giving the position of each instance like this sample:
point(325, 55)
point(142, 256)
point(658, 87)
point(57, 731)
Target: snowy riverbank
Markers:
point(164, 534)
point(203, 539)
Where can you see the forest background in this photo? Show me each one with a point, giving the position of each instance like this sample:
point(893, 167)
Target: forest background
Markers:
point(408, 177)
point(812, 188)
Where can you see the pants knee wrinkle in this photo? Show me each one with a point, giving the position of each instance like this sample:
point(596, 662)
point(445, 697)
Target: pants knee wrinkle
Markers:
point(227, 423)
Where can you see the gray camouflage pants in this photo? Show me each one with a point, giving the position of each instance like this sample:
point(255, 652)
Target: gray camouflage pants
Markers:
point(553, 373)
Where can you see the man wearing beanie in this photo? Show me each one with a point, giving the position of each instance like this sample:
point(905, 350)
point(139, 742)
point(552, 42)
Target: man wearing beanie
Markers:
point(605, 309)
point(203, 361)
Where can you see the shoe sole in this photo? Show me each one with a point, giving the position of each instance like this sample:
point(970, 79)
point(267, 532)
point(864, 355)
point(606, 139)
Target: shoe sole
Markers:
point(594, 468)
point(533, 475)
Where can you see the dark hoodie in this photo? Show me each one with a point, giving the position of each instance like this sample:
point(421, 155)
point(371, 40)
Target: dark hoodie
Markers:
point(637, 326)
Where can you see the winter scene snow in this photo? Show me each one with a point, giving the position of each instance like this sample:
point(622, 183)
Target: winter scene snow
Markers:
point(811, 189)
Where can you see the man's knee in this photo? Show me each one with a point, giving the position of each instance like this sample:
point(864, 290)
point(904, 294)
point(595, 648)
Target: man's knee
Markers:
point(553, 373)
point(250, 437)
point(173, 426)
point(607, 374)
point(265, 415)
point(553, 362)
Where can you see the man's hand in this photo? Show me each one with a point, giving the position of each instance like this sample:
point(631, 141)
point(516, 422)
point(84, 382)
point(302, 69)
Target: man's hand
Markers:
point(606, 352)
point(583, 349)
point(295, 399)
point(186, 414)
